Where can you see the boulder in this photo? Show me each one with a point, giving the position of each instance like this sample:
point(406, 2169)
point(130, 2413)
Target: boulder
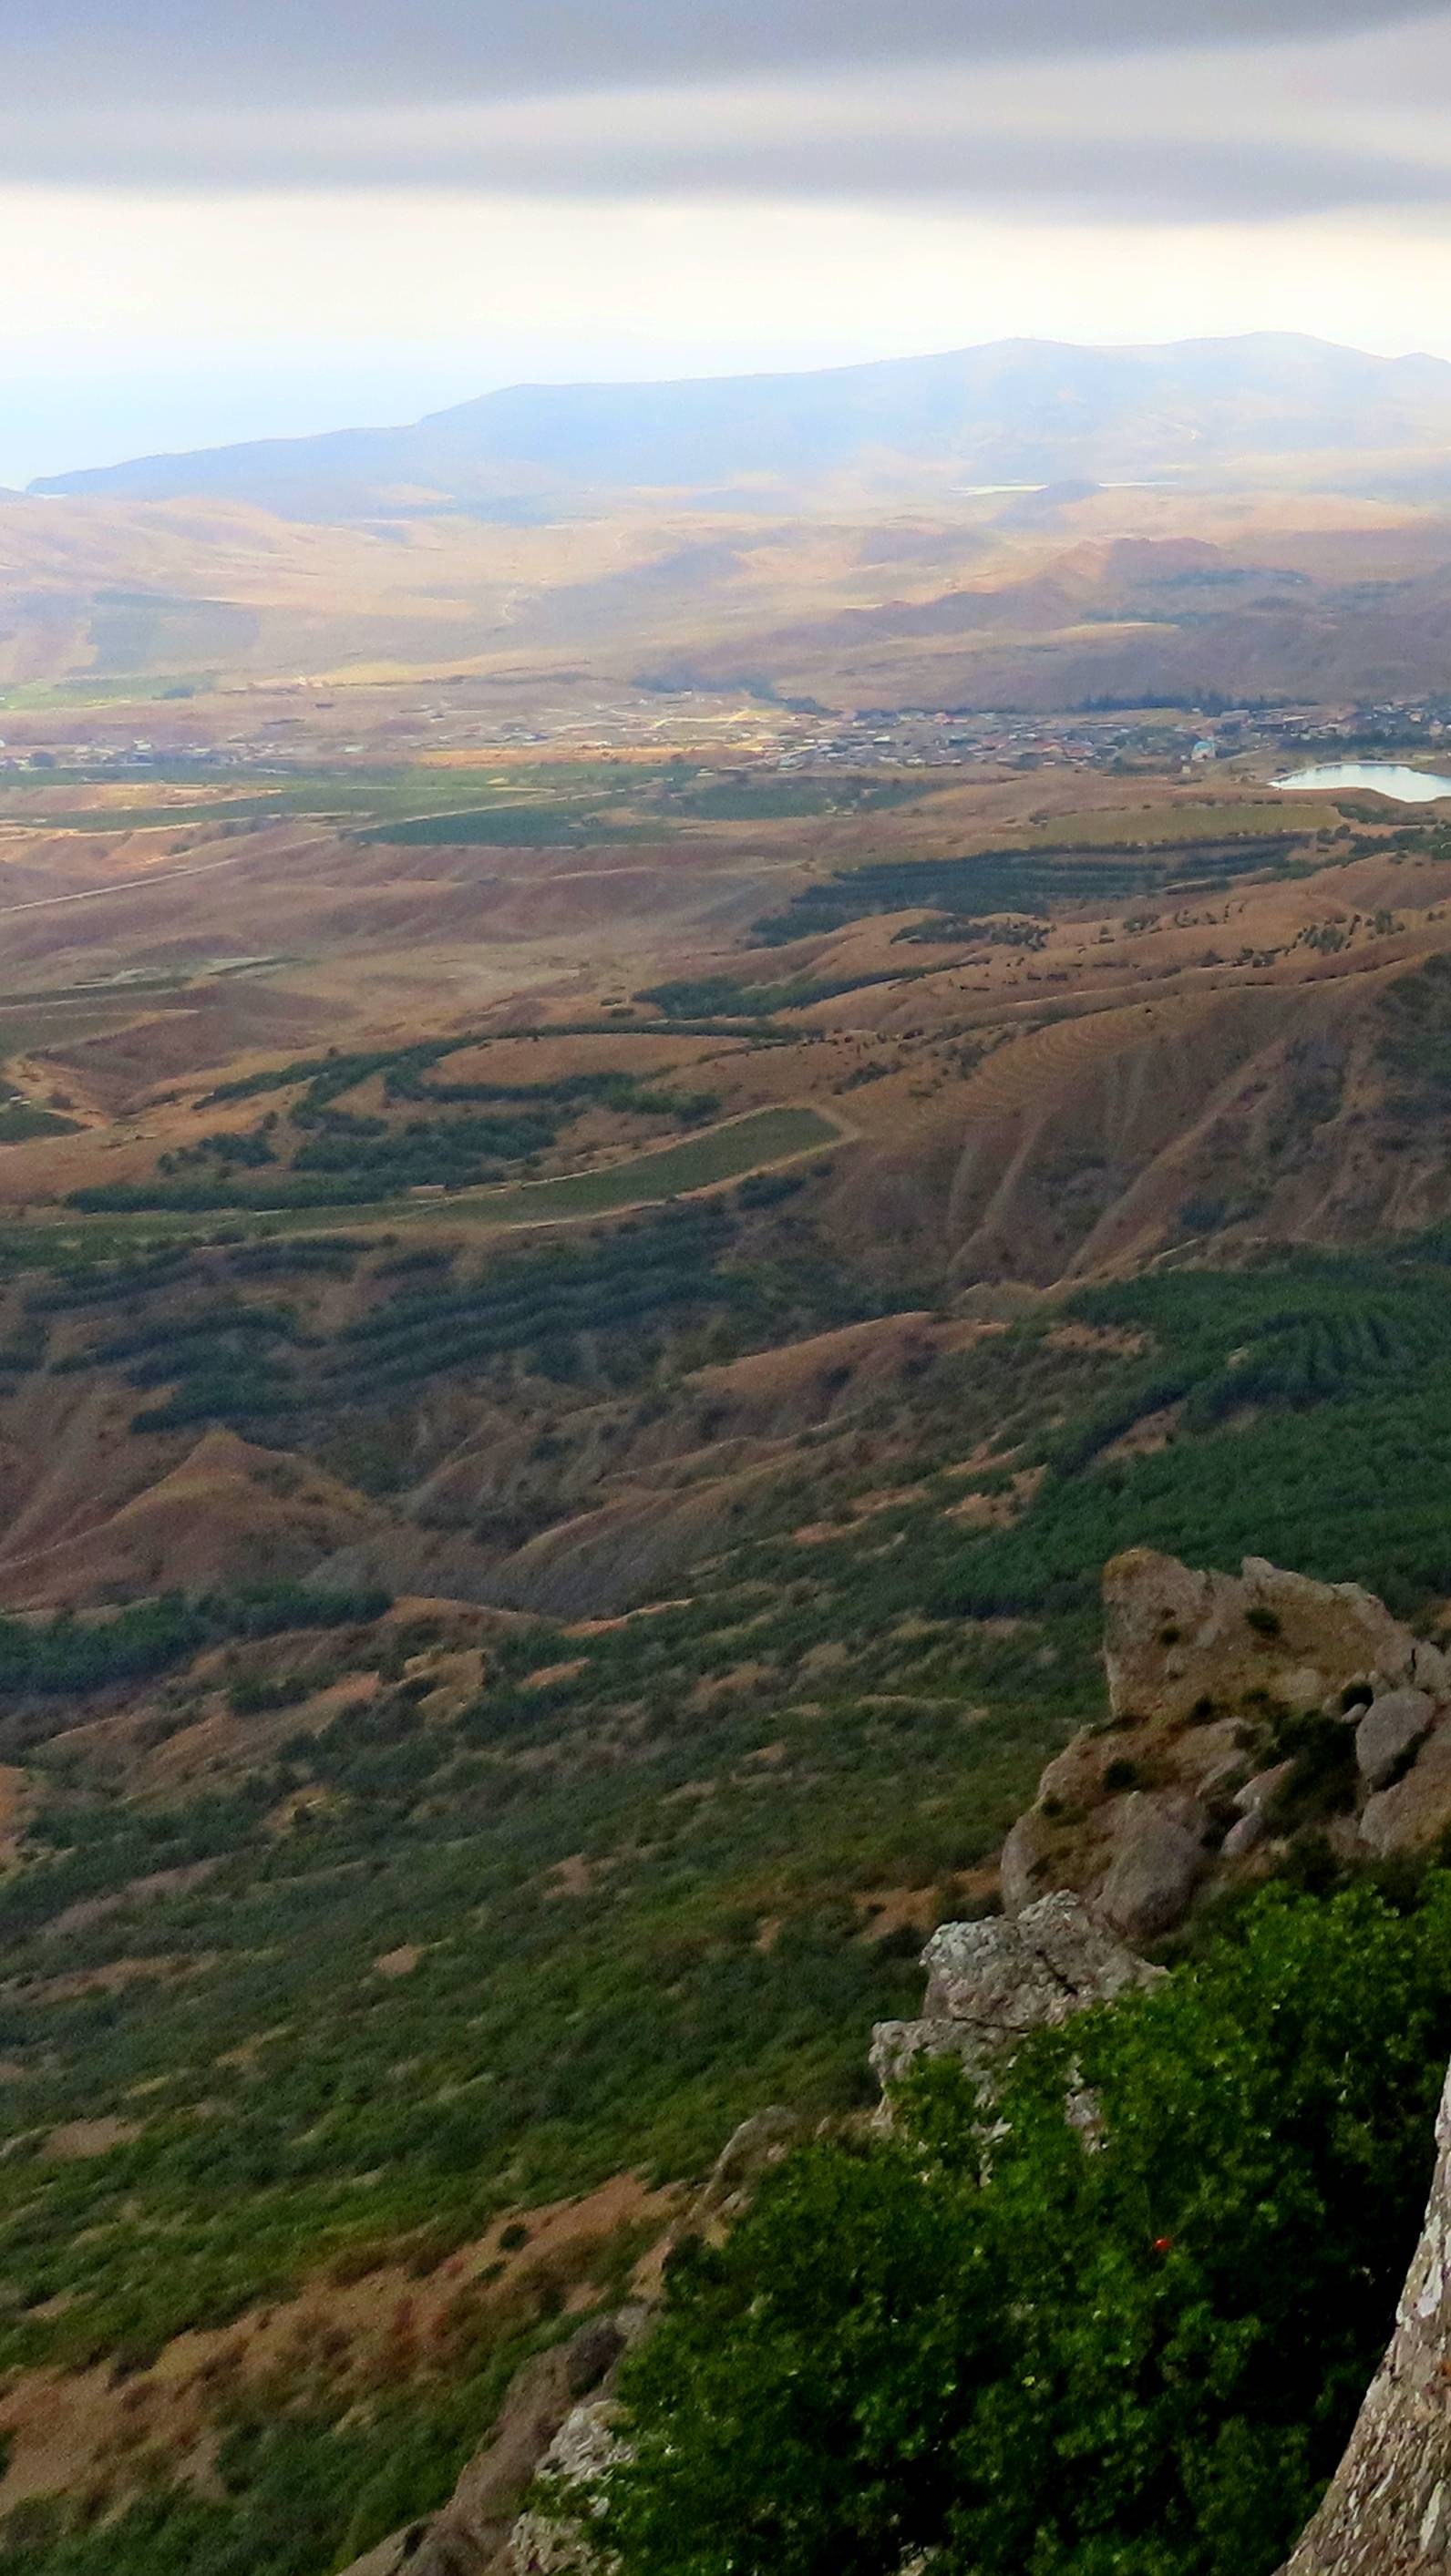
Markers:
point(1417, 1811)
point(1431, 1671)
point(1092, 1965)
point(1392, 1727)
point(1258, 1795)
point(1203, 1671)
point(1387, 2511)
point(989, 1982)
point(993, 1975)
point(1159, 1858)
point(1244, 1837)
point(1210, 1759)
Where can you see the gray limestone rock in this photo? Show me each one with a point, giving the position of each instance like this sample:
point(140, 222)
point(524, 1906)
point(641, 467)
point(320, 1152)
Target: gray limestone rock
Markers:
point(578, 2460)
point(1244, 1837)
point(1158, 1860)
point(1388, 2508)
point(989, 1982)
point(1417, 1811)
point(992, 1974)
point(1258, 1795)
point(1023, 1862)
point(1173, 1633)
point(1083, 1952)
point(1392, 1727)
point(896, 2046)
point(759, 2142)
point(1431, 1670)
point(472, 2534)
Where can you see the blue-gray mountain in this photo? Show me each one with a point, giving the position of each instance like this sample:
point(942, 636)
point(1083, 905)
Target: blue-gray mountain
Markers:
point(1266, 409)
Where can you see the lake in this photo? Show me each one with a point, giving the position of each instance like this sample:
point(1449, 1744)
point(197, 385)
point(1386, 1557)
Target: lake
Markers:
point(1387, 777)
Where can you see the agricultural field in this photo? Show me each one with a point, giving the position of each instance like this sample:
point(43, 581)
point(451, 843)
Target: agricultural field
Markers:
point(574, 1334)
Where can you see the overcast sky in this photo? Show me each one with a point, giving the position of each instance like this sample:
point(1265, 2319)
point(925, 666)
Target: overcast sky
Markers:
point(230, 218)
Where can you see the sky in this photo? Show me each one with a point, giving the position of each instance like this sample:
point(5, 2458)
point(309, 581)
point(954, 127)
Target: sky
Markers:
point(226, 219)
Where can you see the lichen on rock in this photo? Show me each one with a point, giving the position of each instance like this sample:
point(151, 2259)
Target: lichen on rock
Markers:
point(560, 2540)
point(990, 1982)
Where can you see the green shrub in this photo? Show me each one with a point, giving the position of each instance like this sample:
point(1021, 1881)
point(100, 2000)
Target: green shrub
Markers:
point(1136, 2359)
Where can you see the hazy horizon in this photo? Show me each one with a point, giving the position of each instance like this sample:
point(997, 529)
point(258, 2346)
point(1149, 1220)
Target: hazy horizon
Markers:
point(272, 228)
point(332, 419)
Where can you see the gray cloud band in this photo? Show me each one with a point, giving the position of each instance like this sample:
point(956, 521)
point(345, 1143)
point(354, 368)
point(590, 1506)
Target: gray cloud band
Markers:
point(1172, 178)
point(299, 51)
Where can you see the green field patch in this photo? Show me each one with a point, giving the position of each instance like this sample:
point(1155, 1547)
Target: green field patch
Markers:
point(767, 799)
point(982, 883)
point(1154, 827)
point(20, 1120)
point(154, 818)
point(93, 690)
point(700, 1162)
point(532, 805)
point(129, 1212)
point(505, 826)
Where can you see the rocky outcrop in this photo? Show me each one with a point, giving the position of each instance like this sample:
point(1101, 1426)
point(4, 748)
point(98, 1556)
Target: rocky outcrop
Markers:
point(748, 2153)
point(1388, 2509)
point(988, 1983)
point(557, 2416)
point(1174, 1636)
point(1210, 1674)
point(1206, 1673)
point(1393, 1727)
point(473, 2535)
point(561, 2542)
point(1417, 1810)
point(1244, 1710)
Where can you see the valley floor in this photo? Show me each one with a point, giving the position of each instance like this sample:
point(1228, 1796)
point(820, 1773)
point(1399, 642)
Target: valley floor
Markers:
point(572, 1345)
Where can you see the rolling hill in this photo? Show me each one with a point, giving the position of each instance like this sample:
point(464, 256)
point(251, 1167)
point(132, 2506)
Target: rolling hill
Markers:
point(1264, 407)
point(576, 1327)
point(1027, 524)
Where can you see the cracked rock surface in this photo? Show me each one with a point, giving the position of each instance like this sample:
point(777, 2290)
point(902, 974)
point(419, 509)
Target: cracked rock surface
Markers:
point(988, 1983)
point(1388, 2508)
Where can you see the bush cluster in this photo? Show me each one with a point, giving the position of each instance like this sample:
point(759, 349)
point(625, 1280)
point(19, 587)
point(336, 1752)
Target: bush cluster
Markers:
point(990, 2340)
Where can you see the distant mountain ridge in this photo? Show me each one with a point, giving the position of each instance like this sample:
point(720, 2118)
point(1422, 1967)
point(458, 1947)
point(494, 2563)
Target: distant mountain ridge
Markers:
point(1267, 406)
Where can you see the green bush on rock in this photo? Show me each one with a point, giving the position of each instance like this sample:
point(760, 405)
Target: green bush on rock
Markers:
point(1025, 2355)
